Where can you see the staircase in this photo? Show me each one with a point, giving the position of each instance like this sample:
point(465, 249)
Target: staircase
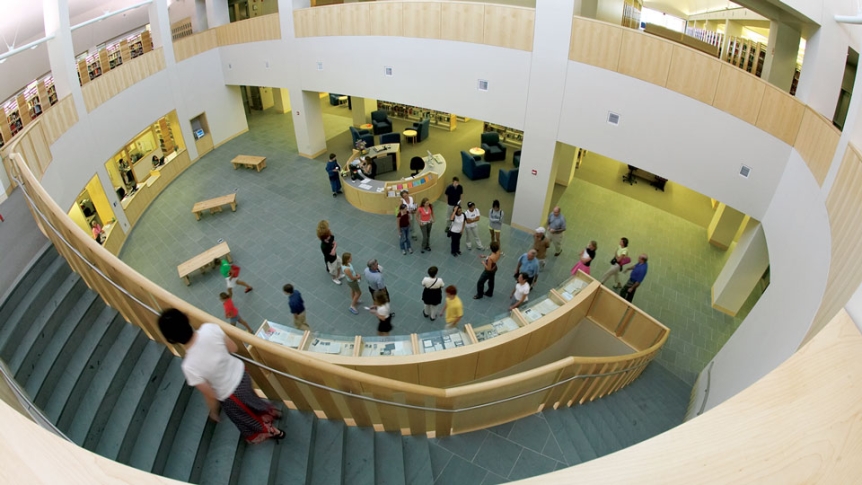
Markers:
point(115, 392)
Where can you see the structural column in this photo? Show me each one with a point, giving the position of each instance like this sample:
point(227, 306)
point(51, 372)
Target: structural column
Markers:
point(218, 13)
point(362, 108)
point(724, 225)
point(553, 29)
point(565, 157)
point(780, 64)
point(281, 100)
point(743, 270)
point(61, 55)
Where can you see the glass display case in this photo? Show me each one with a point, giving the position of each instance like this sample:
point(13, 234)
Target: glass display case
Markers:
point(331, 344)
point(449, 338)
point(572, 286)
point(538, 308)
point(280, 334)
point(503, 323)
point(384, 346)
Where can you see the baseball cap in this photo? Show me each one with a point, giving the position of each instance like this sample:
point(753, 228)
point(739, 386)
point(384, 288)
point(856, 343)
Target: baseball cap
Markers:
point(540, 230)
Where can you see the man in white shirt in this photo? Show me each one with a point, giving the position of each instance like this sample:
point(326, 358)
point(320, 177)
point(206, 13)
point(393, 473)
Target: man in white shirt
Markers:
point(472, 226)
point(521, 292)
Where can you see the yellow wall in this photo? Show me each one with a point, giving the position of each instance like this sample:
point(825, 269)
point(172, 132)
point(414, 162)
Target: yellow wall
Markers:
point(77, 215)
point(100, 200)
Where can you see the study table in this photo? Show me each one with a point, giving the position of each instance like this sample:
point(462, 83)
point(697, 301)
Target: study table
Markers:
point(383, 197)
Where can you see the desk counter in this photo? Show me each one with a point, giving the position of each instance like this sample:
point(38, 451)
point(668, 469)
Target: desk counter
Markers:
point(383, 197)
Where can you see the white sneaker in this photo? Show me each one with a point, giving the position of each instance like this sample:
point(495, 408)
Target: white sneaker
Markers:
point(336, 281)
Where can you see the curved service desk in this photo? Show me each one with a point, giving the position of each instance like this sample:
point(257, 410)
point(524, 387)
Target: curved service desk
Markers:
point(382, 197)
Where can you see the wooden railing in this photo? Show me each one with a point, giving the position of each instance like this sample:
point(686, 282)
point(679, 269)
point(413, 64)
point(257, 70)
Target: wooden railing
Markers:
point(196, 44)
point(256, 29)
point(480, 23)
point(115, 81)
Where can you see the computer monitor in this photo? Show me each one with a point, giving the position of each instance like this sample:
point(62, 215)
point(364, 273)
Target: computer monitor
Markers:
point(199, 134)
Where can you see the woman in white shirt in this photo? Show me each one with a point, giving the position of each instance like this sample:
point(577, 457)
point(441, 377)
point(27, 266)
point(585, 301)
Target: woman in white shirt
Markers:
point(521, 292)
point(620, 259)
point(407, 200)
point(432, 293)
point(209, 366)
point(458, 220)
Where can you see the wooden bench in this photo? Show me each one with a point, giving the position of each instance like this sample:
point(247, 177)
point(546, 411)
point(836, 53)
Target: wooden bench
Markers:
point(214, 205)
point(249, 161)
point(203, 261)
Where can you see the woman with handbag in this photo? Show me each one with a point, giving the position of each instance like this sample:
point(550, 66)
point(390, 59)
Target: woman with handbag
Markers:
point(619, 260)
point(432, 293)
point(586, 258)
point(458, 220)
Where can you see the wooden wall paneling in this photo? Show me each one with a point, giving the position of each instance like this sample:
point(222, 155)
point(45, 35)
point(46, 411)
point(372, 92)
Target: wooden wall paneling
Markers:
point(328, 20)
point(739, 93)
point(641, 333)
point(645, 57)
point(510, 27)
point(418, 420)
point(404, 372)
point(693, 74)
point(450, 371)
point(816, 143)
point(780, 114)
point(421, 19)
point(845, 219)
point(291, 387)
point(554, 397)
point(607, 310)
point(388, 413)
point(303, 22)
point(355, 19)
point(195, 44)
point(256, 29)
point(40, 146)
point(386, 18)
point(596, 383)
point(463, 22)
point(59, 119)
point(586, 383)
point(543, 337)
point(501, 356)
point(570, 389)
point(595, 43)
point(115, 242)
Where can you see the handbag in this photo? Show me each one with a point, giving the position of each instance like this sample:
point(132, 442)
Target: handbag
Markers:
point(432, 296)
point(613, 260)
point(234, 271)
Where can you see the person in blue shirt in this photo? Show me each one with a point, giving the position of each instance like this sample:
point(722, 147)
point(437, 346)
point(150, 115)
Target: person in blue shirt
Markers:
point(528, 264)
point(297, 307)
point(334, 171)
point(639, 272)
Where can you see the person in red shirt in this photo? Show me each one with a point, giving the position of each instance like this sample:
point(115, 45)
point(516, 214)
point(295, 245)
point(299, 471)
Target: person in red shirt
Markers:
point(231, 312)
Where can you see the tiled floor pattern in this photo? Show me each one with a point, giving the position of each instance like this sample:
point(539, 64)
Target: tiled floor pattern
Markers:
point(272, 237)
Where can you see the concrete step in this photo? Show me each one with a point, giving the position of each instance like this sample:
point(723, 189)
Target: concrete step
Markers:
point(25, 284)
point(41, 292)
point(327, 449)
point(62, 346)
point(258, 463)
point(59, 324)
point(97, 401)
point(159, 424)
point(66, 384)
point(219, 461)
point(358, 455)
point(417, 460)
point(294, 453)
point(388, 459)
point(585, 445)
point(555, 419)
point(595, 432)
point(183, 449)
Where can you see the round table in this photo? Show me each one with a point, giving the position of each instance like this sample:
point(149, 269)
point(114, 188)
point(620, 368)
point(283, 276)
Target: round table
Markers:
point(411, 135)
point(366, 126)
point(477, 151)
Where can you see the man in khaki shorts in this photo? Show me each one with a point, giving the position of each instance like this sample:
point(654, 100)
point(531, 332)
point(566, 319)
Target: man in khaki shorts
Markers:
point(297, 307)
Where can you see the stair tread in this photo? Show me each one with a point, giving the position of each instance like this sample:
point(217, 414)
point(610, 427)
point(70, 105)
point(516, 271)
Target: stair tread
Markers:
point(218, 463)
point(388, 459)
point(632, 417)
point(185, 446)
point(556, 419)
point(328, 447)
point(61, 348)
point(124, 349)
point(417, 460)
point(358, 455)
point(31, 276)
point(619, 431)
point(143, 450)
point(99, 339)
point(257, 463)
point(294, 460)
point(17, 324)
point(592, 430)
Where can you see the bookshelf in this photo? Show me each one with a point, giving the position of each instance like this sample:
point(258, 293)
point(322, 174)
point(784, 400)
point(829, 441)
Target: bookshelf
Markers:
point(439, 119)
point(165, 136)
point(509, 136)
point(632, 13)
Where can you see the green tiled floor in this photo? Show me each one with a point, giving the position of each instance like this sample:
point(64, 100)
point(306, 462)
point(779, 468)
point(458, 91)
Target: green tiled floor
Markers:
point(272, 237)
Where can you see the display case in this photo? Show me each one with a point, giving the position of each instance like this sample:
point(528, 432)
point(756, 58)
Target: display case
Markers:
point(280, 334)
point(538, 308)
point(509, 136)
point(449, 338)
point(387, 346)
point(572, 286)
point(331, 344)
point(503, 323)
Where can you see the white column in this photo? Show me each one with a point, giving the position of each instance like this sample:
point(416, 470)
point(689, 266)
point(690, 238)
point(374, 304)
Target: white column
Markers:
point(780, 63)
point(742, 271)
point(564, 163)
point(724, 226)
point(160, 29)
point(61, 55)
point(200, 21)
point(553, 29)
point(281, 97)
point(217, 13)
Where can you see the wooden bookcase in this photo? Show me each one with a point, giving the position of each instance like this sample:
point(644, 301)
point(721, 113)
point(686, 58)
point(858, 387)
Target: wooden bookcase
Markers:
point(439, 119)
point(509, 136)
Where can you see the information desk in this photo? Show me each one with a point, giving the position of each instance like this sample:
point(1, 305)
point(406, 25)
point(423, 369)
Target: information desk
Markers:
point(383, 197)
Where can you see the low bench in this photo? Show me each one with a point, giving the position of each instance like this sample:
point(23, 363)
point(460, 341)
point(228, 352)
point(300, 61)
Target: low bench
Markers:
point(214, 205)
point(203, 261)
point(249, 161)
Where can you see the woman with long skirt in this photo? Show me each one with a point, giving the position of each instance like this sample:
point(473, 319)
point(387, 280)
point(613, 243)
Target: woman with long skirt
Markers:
point(209, 366)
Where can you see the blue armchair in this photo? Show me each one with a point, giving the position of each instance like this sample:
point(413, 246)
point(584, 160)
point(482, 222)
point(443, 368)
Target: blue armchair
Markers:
point(390, 138)
point(473, 168)
point(333, 98)
point(422, 129)
point(380, 122)
point(363, 135)
point(508, 179)
point(516, 158)
point(494, 150)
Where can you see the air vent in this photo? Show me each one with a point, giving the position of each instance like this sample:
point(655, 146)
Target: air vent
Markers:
point(613, 118)
point(483, 85)
point(319, 66)
point(387, 71)
point(745, 171)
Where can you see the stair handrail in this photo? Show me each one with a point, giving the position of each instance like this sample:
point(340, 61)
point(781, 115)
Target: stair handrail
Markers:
point(36, 414)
